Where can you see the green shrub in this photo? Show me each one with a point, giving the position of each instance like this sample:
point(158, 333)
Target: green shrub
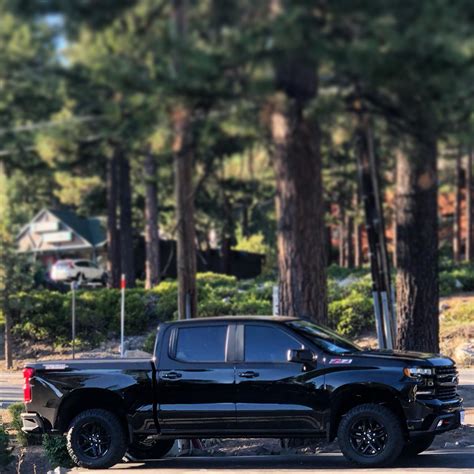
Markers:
point(15, 410)
point(56, 452)
point(6, 456)
point(352, 314)
point(456, 278)
point(149, 343)
point(46, 315)
point(340, 273)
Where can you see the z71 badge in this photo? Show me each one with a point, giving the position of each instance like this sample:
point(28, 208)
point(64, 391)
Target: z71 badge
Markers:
point(340, 361)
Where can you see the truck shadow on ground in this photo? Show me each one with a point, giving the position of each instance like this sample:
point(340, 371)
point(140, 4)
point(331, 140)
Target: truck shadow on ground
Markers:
point(459, 459)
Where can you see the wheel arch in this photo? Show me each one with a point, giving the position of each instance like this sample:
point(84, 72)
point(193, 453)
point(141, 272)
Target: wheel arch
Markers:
point(88, 398)
point(350, 396)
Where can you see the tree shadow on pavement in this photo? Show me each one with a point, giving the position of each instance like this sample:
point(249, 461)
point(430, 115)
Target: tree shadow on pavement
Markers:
point(456, 459)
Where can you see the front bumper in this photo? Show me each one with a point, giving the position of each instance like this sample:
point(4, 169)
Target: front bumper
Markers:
point(32, 423)
point(433, 416)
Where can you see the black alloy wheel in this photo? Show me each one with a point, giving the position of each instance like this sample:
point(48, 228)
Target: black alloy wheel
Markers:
point(94, 441)
point(368, 437)
point(371, 435)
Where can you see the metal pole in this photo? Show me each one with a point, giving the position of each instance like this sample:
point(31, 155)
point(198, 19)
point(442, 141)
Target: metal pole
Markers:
point(122, 316)
point(73, 311)
point(276, 300)
point(379, 263)
point(378, 319)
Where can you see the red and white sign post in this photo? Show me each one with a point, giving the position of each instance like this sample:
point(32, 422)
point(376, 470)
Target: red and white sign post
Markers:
point(122, 316)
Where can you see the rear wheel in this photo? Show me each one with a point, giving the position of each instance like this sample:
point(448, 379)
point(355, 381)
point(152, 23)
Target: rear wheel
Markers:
point(417, 445)
point(370, 435)
point(96, 439)
point(150, 448)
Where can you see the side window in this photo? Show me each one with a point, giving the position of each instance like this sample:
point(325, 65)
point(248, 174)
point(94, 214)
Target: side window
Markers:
point(201, 344)
point(268, 344)
point(81, 264)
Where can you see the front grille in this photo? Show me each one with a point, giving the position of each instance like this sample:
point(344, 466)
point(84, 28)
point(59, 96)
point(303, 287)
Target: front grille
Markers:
point(446, 382)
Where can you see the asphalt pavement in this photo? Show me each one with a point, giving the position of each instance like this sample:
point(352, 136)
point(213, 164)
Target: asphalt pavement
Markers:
point(445, 461)
point(11, 388)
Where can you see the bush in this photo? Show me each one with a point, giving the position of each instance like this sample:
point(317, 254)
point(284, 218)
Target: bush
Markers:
point(15, 410)
point(456, 278)
point(352, 314)
point(6, 456)
point(46, 315)
point(55, 448)
point(149, 343)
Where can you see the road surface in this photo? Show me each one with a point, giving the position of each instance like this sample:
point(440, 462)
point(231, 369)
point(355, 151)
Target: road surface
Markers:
point(11, 390)
point(445, 461)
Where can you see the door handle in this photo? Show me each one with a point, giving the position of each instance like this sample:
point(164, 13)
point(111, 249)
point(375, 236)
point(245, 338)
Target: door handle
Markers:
point(171, 375)
point(249, 374)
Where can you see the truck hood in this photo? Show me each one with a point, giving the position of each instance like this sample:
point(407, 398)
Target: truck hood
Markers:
point(409, 357)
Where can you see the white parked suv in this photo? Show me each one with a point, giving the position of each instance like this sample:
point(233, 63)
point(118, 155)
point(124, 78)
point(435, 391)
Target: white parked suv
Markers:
point(79, 270)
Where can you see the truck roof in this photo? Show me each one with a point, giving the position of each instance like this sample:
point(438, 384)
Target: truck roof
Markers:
point(275, 319)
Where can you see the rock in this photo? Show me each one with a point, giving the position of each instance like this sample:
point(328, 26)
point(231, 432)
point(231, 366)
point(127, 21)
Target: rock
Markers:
point(464, 354)
point(347, 281)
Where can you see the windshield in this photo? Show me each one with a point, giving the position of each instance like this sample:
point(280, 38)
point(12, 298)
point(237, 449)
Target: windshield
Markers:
point(324, 338)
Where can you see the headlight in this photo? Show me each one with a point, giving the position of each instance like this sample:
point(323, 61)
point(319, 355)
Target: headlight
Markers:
point(415, 372)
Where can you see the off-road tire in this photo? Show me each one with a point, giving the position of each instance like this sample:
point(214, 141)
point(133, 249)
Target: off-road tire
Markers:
point(383, 416)
point(417, 445)
point(157, 450)
point(114, 429)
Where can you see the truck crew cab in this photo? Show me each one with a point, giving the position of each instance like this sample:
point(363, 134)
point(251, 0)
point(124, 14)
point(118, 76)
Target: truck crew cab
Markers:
point(273, 377)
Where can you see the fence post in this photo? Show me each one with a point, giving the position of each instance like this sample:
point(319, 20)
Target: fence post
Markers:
point(73, 314)
point(123, 284)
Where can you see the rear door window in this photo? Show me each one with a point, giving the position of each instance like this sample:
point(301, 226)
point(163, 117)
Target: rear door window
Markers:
point(201, 343)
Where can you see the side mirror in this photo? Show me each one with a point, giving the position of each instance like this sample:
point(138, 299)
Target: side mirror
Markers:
point(301, 356)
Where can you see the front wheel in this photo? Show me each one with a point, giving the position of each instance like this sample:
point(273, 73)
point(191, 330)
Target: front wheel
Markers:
point(370, 435)
point(96, 439)
point(150, 448)
point(417, 445)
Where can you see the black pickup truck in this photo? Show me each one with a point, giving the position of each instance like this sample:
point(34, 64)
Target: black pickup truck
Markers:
point(234, 377)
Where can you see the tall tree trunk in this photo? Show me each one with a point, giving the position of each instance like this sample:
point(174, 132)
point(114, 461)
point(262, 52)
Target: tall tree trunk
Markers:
point(342, 237)
point(417, 247)
point(126, 228)
point(358, 250)
point(152, 239)
point(394, 222)
point(186, 234)
point(348, 242)
point(184, 191)
point(457, 210)
point(300, 214)
point(113, 249)
point(469, 239)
